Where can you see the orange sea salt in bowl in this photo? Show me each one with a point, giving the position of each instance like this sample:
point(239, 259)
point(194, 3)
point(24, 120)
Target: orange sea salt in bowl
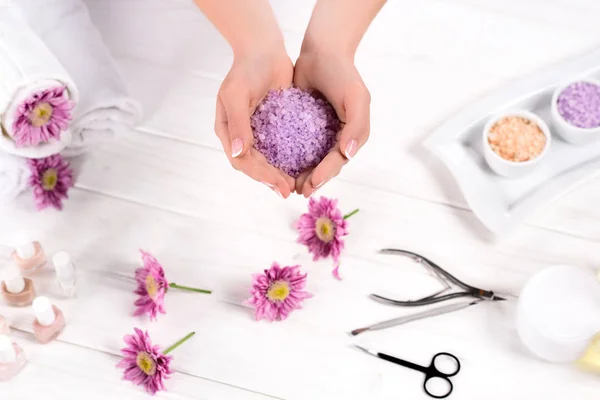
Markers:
point(514, 143)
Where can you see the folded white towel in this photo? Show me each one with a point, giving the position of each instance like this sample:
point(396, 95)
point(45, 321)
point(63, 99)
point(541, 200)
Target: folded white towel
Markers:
point(104, 108)
point(14, 176)
point(26, 66)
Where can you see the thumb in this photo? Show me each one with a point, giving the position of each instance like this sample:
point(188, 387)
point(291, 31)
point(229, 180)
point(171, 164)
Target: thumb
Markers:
point(355, 133)
point(238, 123)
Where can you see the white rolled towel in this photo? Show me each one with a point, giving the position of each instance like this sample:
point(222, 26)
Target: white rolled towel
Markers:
point(14, 176)
point(27, 67)
point(104, 109)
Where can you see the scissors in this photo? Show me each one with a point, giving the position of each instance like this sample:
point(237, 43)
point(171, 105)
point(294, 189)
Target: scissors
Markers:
point(444, 277)
point(436, 374)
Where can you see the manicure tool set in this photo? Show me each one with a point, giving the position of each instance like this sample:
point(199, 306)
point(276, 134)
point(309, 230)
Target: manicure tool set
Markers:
point(434, 373)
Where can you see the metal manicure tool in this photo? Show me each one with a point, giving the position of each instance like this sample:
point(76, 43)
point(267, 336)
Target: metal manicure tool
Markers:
point(446, 279)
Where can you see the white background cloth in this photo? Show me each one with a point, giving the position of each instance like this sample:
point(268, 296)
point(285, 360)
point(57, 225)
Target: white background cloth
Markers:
point(26, 65)
point(104, 108)
point(14, 176)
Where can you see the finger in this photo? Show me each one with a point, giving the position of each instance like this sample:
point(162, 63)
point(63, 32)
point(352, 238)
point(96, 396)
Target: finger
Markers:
point(254, 167)
point(299, 183)
point(264, 173)
point(237, 110)
point(288, 180)
point(355, 132)
point(327, 169)
point(221, 129)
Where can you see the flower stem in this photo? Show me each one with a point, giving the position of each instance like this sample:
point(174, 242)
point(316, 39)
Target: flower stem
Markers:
point(191, 289)
point(351, 214)
point(179, 343)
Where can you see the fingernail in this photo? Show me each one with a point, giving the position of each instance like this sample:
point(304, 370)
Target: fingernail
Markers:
point(236, 147)
point(350, 150)
point(276, 190)
point(320, 184)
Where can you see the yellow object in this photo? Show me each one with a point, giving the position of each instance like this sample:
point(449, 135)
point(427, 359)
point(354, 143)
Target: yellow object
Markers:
point(591, 358)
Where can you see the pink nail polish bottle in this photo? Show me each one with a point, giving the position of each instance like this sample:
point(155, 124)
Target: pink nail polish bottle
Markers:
point(49, 320)
point(12, 358)
point(16, 290)
point(4, 328)
point(29, 255)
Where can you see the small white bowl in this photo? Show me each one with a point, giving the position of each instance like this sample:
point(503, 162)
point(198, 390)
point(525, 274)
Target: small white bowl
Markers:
point(571, 133)
point(513, 169)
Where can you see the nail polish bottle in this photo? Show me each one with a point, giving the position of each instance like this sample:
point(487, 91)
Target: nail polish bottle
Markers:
point(16, 290)
point(65, 273)
point(4, 328)
point(12, 358)
point(29, 255)
point(49, 320)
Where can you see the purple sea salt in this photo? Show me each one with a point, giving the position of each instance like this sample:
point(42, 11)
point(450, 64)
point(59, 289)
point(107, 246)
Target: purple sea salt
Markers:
point(294, 129)
point(579, 105)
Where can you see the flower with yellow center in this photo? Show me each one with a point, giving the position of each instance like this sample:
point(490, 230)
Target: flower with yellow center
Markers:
point(325, 229)
point(40, 115)
point(145, 362)
point(279, 291)
point(49, 179)
point(151, 286)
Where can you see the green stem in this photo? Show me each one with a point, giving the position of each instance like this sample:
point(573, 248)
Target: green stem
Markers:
point(351, 214)
point(191, 289)
point(179, 343)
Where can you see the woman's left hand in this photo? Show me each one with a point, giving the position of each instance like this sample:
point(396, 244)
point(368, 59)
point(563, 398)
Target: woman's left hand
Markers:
point(336, 77)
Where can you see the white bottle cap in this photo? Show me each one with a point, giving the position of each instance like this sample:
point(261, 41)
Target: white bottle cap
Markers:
point(12, 279)
point(25, 246)
point(65, 270)
point(43, 311)
point(7, 351)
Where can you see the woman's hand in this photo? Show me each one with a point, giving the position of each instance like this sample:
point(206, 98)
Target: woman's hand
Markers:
point(326, 63)
point(260, 63)
point(251, 77)
point(335, 76)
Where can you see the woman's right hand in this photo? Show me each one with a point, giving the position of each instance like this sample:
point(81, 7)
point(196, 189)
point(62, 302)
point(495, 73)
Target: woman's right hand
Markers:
point(252, 75)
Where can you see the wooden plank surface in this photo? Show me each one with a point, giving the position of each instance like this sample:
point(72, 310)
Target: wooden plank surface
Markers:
point(167, 187)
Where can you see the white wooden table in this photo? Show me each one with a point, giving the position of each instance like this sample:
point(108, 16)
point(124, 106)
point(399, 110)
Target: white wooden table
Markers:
point(168, 188)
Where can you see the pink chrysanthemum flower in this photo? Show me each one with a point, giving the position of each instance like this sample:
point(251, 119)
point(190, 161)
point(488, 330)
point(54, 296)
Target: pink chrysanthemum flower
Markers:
point(277, 292)
point(42, 116)
point(152, 287)
point(51, 179)
point(322, 228)
point(144, 364)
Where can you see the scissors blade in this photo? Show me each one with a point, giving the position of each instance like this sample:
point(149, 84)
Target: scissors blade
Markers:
point(373, 353)
point(414, 317)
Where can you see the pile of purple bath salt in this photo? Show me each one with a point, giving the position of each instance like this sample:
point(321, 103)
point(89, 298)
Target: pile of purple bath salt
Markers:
point(579, 105)
point(294, 129)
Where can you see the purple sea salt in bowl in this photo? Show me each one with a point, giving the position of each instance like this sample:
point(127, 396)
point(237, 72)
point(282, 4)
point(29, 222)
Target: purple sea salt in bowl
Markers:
point(576, 111)
point(294, 129)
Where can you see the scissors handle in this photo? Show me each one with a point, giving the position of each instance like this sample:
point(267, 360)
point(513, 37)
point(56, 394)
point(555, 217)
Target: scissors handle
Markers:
point(437, 394)
point(439, 373)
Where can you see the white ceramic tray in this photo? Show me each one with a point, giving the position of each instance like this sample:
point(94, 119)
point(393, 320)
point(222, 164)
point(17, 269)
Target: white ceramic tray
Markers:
point(502, 204)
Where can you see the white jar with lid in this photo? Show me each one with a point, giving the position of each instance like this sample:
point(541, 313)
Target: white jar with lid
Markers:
point(558, 313)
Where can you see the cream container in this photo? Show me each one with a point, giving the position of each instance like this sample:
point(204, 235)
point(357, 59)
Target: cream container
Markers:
point(558, 313)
